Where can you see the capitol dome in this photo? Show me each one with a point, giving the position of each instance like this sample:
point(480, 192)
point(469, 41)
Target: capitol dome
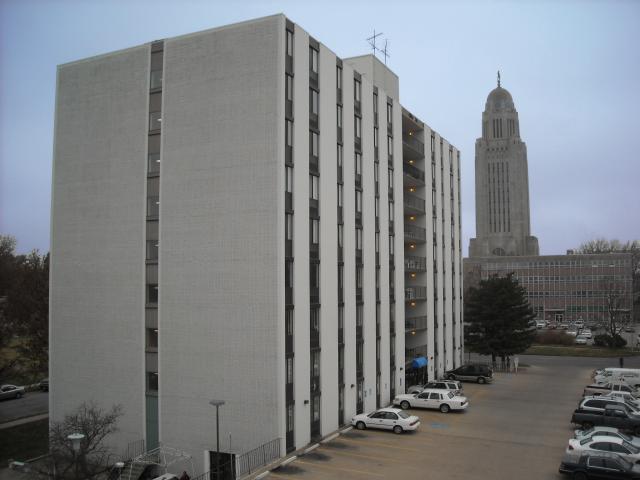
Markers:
point(499, 99)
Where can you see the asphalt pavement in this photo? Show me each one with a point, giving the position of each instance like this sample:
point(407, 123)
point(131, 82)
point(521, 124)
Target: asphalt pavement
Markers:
point(32, 403)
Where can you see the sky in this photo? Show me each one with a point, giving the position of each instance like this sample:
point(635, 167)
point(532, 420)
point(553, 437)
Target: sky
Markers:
point(572, 67)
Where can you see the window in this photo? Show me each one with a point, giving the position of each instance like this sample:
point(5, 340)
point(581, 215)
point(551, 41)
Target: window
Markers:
point(341, 316)
point(390, 145)
point(358, 162)
point(289, 369)
point(339, 156)
point(358, 239)
point(377, 242)
point(358, 127)
point(391, 211)
point(315, 363)
point(288, 180)
point(392, 246)
point(391, 179)
point(152, 249)
point(375, 138)
point(288, 274)
point(339, 120)
point(389, 113)
point(152, 338)
point(377, 207)
point(314, 275)
point(358, 201)
point(289, 226)
point(155, 120)
point(313, 60)
point(340, 190)
point(289, 133)
point(289, 87)
point(356, 90)
point(156, 79)
point(314, 143)
point(289, 321)
point(315, 231)
point(314, 187)
point(313, 101)
point(376, 172)
point(358, 276)
point(340, 235)
point(339, 77)
point(290, 417)
point(341, 358)
point(152, 381)
point(152, 293)
point(375, 103)
point(289, 43)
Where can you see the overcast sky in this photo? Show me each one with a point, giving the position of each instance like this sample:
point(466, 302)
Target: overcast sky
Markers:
point(573, 69)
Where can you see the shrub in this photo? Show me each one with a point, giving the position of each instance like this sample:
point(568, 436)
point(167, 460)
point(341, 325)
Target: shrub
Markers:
point(606, 340)
point(601, 340)
point(551, 337)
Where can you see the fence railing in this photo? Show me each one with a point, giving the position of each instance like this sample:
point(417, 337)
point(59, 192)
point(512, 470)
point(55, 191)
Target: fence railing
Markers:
point(413, 172)
point(258, 457)
point(415, 263)
point(417, 233)
point(416, 323)
point(415, 202)
point(134, 449)
point(412, 293)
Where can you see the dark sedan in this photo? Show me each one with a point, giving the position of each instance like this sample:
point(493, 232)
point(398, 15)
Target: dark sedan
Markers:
point(598, 465)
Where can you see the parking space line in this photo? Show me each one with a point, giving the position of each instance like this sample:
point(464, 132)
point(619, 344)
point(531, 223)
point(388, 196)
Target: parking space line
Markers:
point(374, 457)
point(386, 445)
point(362, 472)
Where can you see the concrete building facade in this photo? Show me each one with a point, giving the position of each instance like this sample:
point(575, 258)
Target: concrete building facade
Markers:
point(227, 211)
point(502, 183)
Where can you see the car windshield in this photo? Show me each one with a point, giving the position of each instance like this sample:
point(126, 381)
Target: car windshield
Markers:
point(632, 448)
point(403, 415)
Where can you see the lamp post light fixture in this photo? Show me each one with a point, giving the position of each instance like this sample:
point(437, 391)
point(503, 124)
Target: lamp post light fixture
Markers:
point(217, 404)
point(76, 441)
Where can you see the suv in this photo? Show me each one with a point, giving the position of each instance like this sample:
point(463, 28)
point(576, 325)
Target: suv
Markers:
point(598, 404)
point(471, 373)
point(451, 385)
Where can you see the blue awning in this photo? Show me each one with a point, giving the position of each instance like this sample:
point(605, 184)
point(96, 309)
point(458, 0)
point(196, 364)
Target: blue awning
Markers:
point(419, 362)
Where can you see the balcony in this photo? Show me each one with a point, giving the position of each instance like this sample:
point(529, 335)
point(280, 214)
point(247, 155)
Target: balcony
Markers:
point(414, 234)
point(412, 176)
point(411, 353)
point(415, 293)
point(412, 147)
point(414, 204)
point(415, 323)
point(415, 264)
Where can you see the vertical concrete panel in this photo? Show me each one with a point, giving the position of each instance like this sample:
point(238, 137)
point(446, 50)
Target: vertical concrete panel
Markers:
point(221, 234)
point(97, 238)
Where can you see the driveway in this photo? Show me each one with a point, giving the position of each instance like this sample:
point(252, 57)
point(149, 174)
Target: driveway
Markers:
point(515, 428)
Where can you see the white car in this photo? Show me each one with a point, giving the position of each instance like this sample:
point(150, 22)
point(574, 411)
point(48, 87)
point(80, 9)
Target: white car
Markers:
point(541, 324)
point(581, 340)
point(386, 419)
point(606, 432)
point(443, 400)
point(603, 443)
point(587, 333)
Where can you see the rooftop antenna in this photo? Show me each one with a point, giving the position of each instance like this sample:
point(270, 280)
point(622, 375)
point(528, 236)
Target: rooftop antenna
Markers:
point(372, 41)
point(498, 78)
point(385, 52)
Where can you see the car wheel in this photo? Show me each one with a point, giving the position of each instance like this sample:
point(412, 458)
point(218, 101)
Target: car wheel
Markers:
point(580, 476)
point(444, 408)
point(481, 380)
point(18, 395)
point(361, 426)
point(397, 429)
point(404, 405)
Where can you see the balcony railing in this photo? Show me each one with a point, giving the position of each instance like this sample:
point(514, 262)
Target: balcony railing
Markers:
point(413, 172)
point(414, 202)
point(415, 263)
point(415, 323)
point(415, 293)
point(414, 144)
point(415, 233)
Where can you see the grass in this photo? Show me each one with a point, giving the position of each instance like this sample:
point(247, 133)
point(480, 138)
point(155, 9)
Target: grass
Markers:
point(24, 442)
point(579, 351)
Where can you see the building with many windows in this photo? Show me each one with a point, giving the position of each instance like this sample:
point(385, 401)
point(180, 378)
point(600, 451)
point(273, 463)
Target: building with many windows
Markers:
point(228, 214)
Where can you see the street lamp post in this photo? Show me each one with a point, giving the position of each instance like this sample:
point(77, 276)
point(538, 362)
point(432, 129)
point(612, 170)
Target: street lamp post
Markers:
point(217, 404)
point(76, 440)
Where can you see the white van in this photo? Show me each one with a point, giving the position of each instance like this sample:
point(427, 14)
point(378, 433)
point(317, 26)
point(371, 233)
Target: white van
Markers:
point(628, 376)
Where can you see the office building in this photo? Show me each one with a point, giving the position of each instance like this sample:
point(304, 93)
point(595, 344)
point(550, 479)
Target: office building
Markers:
point(228, 214)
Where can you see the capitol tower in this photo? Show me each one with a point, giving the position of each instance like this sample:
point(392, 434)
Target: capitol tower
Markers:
point(502, 183)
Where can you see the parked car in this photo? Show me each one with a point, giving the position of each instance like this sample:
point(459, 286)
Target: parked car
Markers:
point(586, 333)
point(631, 378)
point(606, 432)
point(605, 443)
point(600, 402)
point(443, 400)
point(386, 419)
point(581, 340)
point(604, 388)
point(613, 416)
point(471, 373)
point(630, 328)
point(579, 324)
point(541, 324)
point(603, 465)
point(452, 385)
point(44, 385)
point(563, 326)
point(11, 391)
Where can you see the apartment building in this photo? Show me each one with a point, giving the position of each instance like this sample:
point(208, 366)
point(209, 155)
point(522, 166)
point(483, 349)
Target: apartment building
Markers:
point(227, 214)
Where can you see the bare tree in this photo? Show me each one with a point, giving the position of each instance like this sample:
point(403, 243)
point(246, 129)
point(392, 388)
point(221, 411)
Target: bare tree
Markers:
point(618, 315)
point(93, 457)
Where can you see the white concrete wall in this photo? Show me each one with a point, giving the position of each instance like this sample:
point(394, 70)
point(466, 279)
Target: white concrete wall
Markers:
point(97, 238)
point(221, 318)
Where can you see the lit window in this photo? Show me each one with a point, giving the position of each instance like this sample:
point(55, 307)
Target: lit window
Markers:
point(340, 193)
point(358, 239)
point(389, 113)
point(358, 201)
point(314, 143)
point(289, 43)
point(358, 127)
point(289, 87)
point(313, 187)
point(339, 77)
point(339, 120)
point(358, 162)
point(390, 145)
point(313, 101)
point(356, 90)
point(339, 156)
point(289, 133)
point(315, 231)
point(313, 60)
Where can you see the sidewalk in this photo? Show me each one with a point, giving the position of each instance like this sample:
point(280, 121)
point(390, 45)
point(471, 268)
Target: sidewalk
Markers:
point(22, 421)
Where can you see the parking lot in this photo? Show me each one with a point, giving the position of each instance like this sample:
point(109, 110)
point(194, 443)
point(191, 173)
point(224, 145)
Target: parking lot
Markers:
point(515, 428)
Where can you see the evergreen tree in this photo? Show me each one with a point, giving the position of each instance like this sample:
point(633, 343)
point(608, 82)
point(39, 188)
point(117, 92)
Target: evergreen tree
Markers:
point(498, 318)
